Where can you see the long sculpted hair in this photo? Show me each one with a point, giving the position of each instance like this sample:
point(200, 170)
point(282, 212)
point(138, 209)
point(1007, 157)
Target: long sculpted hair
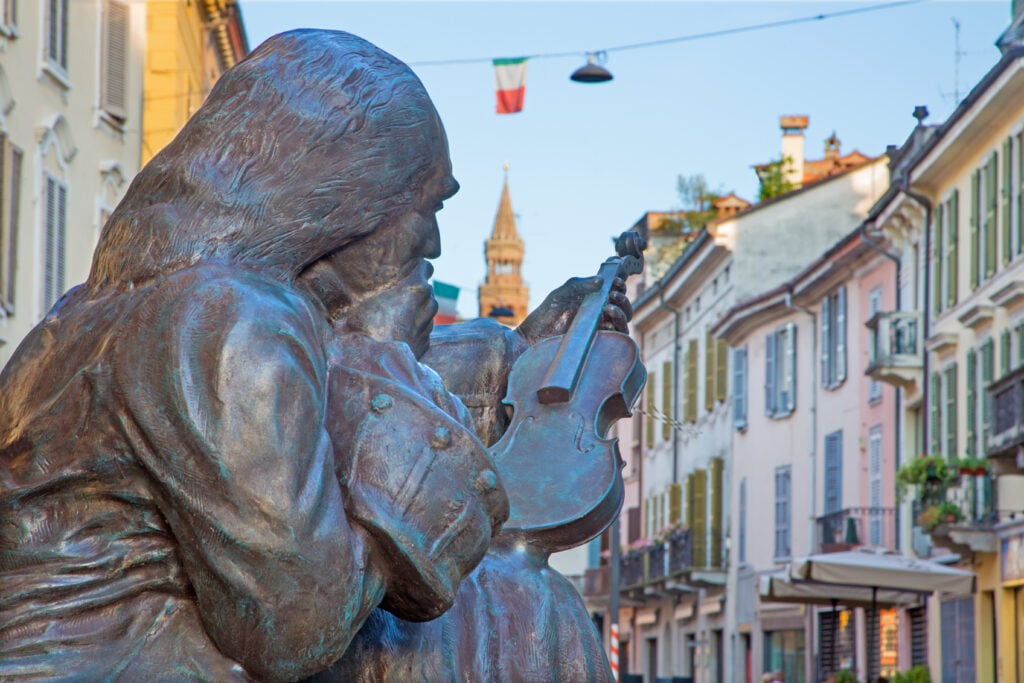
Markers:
point(304, 146)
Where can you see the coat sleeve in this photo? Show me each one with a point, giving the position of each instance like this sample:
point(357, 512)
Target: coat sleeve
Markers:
point(224, 383)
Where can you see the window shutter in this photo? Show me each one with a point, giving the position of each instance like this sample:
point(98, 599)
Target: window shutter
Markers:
point(1020, 345)
point(790, 375)
point(666, 399)
point(53, 26)
point(986, 379)
point(115, 58)
point(647, 517)
point(991, 214)
point(691, 381)
point(64, 33)
point(840, 333)
point(1004, 352)
point(632, 524)
point(769, 374)
point(970, 448)
point(952, 445)
point(739, 388)
point(62, 213)
point(649, 410)
point(1004, 195)
point(709, 372)
point(700, 518)
point(953, 228)
point(833, 472)
point(1019, 157)
point(826, 329)
point(5, 198)
point(717, 468)
point(675, 503)
point(934, 428)
point(12, 216)
point(721, 369)
point(689, 503)
point(937, 224)
point(50, 244)
point(975, 227)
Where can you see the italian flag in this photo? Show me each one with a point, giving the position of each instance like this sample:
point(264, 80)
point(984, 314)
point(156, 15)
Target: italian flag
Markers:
point(510, 83)
point(447, 296)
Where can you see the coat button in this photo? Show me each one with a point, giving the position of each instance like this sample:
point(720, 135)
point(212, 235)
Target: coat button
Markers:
point(486, 481)
point(381, 403)
point(441, 438)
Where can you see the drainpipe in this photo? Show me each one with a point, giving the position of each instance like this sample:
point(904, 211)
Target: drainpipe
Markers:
point(676, 346)
point(926, 318)
point(895, 259)
point(814, 415)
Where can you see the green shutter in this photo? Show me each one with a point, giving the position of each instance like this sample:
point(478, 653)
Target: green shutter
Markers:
point(934, 410)
point(1019, 156)
point(699, 530)
point(975, 227)
point(691, 381)
point(1004, 353)
point(991, 215)
point(986, 379)
point(953, 229)
point(952, 445)
point(689, 503)
point(721, 369)
point(649, 416)
point(717, 467)
point(971, 447)
point(709, 372)
point(666, 399)
point(937, 223)
point(1004, 195)
point(675, 503)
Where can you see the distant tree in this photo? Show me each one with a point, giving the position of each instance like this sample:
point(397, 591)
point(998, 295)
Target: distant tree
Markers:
point(774, 178)
point(697, 204)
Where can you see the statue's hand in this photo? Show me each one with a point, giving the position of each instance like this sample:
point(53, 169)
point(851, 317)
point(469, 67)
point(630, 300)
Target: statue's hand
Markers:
point(556, 312)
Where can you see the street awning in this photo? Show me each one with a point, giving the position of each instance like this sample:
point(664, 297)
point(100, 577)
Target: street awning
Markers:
point(882, 569)
point(781, 587)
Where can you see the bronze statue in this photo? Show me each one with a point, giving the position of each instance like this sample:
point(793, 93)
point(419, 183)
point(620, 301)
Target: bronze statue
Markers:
point(230, 455)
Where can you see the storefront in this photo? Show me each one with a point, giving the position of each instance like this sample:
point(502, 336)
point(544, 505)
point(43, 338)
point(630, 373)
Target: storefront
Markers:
point(1012, 602)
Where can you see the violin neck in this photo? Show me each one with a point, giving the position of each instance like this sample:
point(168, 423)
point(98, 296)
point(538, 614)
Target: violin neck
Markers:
point(560, 380)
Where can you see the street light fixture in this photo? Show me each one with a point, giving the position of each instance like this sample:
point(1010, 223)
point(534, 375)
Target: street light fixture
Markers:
point(592, 71)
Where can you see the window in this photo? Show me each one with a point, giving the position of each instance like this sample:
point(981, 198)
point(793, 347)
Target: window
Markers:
point(10, 16)
point(115, 59)
point(987, 369)
point(875, 485)
point(666, 400)
point(717, 468)
point(950, 380)
point(1019, 192)
point(952, 211)
point(691, 381)
point(1004, 353)
point(10, 195)
point(649, 411)
point(936, 255)
point(54, 240)
point(833, 338)
point(971, 396)
point(833, 472)
point(782, 513)
point(57, 33)
point(780, 372)
point(1006, 170)
point(696, 515)
point(741, 551)
point(874, 306)
point(739, 388)
point(934, 414)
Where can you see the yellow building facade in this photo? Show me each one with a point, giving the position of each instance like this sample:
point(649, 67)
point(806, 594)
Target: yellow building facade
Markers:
point(503, 295)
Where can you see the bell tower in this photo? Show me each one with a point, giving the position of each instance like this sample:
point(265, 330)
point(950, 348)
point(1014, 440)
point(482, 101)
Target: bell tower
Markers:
point(503, 296)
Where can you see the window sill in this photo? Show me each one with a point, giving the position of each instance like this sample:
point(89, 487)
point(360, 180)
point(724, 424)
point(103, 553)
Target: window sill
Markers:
point(57, 74)
point(781, 416)
point(110, 122)
point(832, 386)
point(9, 31)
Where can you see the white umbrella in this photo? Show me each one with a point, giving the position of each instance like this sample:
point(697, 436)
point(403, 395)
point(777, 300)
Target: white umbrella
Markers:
point(881, 569)
point(781, 587)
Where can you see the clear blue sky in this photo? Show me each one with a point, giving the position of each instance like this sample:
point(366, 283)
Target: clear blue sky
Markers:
point(588, 160)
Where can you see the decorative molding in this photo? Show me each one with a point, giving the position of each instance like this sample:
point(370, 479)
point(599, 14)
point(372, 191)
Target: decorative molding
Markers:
point(1011, 296)
point(941, 343)
point(59, 130)
point(977, 316)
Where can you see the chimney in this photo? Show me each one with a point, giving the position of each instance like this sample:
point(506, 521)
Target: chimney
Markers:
point(793, 148)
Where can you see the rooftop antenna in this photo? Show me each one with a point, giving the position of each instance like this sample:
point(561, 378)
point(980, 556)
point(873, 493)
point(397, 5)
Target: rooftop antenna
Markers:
point(957, 54)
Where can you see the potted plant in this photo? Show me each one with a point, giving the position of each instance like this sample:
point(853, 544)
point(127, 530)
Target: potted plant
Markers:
point(939, 513)
point(926, 472)
point(972, 467)
point(915, 674)
point(845, 676)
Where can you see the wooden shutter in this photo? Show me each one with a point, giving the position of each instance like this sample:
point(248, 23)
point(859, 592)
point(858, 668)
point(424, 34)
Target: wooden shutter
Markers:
point(666, 399)
point(675, 503)
point(918, 635)
point(1004, 197)
point(691, 381)
point(840, 334)
point(826, 341)
point(782, 513)
point(632, 524)
point(649, 413)
point(1019, 157)
point(115, 59)
point(12, 162)
point(937, 225)
point(991, 215)
point(971, 396)
point(953, 228)
point(986, 379)
point(739, 388)
point(1004, 352)
point(709, 372)
point(721, 369)
point(934, 410)
point(770, 381)
point(50, 244)
point(833, 472)
point(975, 226)
point(700, 518)
point(717, 469)
point(952, 445)
point(790, 368)
point(62, 214)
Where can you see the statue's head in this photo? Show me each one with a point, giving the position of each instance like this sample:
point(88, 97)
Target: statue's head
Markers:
point(315, 140)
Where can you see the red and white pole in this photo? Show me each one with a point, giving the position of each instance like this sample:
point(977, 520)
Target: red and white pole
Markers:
point(615, 651)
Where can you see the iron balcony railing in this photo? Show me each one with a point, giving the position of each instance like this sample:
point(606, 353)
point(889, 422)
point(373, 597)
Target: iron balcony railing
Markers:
point(894, 342)
point(639, 568)
point(856, 526)
point(1006, 397)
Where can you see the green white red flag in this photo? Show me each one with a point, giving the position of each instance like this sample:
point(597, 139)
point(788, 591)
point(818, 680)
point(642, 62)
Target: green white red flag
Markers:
point(447, 297)
point(510, 84)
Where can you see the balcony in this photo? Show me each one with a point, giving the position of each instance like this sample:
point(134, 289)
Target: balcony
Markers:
point(644, 568)
point(851, 527)
point(964, 523)
point(1006, 433)
point(894, 348)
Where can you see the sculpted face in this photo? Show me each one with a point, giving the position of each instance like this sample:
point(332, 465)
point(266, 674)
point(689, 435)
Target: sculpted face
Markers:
point(380, 285)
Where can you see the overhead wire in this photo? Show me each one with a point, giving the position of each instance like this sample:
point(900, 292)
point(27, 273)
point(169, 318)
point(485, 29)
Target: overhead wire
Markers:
point(686, 38)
